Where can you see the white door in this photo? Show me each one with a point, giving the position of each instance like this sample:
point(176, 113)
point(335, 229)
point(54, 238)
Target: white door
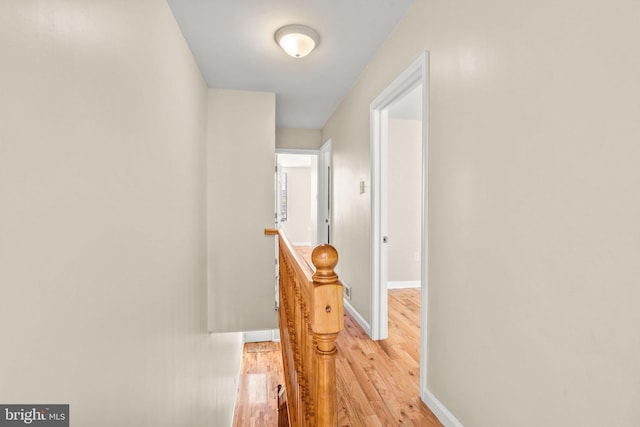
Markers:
point(324, 194)
point(281, 194)
point(278, 215)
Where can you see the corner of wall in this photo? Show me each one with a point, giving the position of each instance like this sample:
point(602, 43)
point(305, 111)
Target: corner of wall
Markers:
point(356, 315)
point(439, 410)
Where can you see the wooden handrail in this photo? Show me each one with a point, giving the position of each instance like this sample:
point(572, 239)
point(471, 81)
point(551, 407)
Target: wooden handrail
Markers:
point(311, 315)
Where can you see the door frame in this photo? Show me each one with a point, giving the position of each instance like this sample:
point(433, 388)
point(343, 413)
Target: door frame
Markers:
point(417, 73)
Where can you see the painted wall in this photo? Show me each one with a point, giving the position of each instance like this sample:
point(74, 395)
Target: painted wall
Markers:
point(307, 139)
point(298, 227)
point(102, 218)
point(241, 204)
point(404, 180)
point(533, 203)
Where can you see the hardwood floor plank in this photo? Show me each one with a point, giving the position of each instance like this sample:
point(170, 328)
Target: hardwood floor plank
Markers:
point(352, 401)
point(384, 414)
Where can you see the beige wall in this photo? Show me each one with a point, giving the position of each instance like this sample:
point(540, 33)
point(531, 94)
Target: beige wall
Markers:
point(404, 180)
point(103, 227)
point(241, 204)
point(306, 139)
point(298, 225)
point(533, 202)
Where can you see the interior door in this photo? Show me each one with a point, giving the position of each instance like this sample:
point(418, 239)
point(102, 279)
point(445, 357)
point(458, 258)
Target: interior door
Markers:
point(324, 194)
point(278, 225)
point(281, 194)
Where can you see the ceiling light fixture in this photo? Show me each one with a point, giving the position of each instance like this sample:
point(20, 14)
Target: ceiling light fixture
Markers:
point(297, 40)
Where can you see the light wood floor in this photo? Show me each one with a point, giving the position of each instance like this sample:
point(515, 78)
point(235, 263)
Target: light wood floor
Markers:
point(378, 381)
point(260, 374)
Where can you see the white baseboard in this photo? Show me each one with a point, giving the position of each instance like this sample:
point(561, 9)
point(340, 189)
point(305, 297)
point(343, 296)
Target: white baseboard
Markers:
point(404, 285)
point(260, 336)
point(439, 410)
point(363, 323)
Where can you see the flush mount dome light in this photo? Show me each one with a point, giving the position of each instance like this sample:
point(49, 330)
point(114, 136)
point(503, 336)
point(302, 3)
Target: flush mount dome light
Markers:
point(297, 40)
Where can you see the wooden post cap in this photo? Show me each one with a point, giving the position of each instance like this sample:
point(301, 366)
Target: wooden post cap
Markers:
point(325, 258)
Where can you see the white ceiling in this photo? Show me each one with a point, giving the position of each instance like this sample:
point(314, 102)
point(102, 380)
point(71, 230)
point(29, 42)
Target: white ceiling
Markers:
point(232, 41)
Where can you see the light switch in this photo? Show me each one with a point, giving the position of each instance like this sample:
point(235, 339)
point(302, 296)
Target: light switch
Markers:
point(361, 187)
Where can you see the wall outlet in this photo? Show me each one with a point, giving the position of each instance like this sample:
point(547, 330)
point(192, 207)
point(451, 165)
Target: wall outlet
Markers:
point(347, 292)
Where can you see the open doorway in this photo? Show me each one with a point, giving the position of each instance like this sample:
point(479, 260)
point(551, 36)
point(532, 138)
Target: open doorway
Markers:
point(303, 201)
point(297, 195)
point(399, 133)
point(404, 183)
point(296, 204)
point(404, 186)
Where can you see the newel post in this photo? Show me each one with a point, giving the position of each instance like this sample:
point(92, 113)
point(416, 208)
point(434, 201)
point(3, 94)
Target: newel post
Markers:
point(327, 320)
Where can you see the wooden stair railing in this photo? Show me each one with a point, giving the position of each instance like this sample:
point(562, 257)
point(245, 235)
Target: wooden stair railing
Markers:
point(311, 315)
